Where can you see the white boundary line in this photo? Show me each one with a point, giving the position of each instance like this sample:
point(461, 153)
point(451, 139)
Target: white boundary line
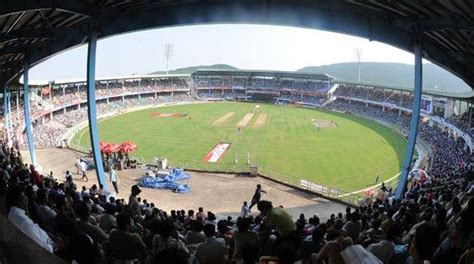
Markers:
point(369, 188)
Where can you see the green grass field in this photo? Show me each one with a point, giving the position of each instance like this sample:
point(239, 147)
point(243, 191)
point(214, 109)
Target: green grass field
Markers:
point(347, 157)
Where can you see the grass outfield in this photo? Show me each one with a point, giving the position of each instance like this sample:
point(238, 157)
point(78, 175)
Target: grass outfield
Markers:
point(287, 142)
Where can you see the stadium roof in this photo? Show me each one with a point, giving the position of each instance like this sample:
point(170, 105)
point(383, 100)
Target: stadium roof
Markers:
point(263, 73)
point(36, 82)
point(34, 30)
point(459, 96)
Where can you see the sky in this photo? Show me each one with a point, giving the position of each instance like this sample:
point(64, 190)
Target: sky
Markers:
point(256, 47)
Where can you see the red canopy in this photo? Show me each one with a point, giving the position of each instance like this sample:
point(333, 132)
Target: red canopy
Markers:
point(108, 148)
point(104, 147)
point(127, 147)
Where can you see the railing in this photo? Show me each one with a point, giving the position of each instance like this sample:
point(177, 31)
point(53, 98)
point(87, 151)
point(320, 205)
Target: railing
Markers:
point(323, 190)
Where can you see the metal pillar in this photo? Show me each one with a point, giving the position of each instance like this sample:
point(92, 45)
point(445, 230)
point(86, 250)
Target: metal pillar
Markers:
point(29, 130)
point(415, 117)
point(91, 109)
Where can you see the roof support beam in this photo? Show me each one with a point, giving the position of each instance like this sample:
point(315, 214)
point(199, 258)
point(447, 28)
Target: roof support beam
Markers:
point(34, 33)
point(343, 16)
point(445, 23)
point(26, 34)
point(12, 26)
point(75, 7)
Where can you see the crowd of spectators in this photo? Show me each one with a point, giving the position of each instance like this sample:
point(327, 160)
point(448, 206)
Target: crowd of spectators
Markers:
point(256, 83)
point(449, 154)
point(287, 97)
point(205, 95)
point(313, 100)
point(70, 94)
point(462, 122)
point(48, 134)
point(394, 97)
point(433, 222)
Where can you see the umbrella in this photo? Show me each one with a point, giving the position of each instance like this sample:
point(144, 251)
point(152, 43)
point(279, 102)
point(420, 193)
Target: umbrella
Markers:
point(127, 147)
point(114, 147)
point(108, 148)
point(104, 147)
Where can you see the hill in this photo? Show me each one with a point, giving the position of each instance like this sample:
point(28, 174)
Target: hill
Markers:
point(381, 73)
point(392, 74)
point(192, 69)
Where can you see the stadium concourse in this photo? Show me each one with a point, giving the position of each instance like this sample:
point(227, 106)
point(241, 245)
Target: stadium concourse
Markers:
point(430, 223)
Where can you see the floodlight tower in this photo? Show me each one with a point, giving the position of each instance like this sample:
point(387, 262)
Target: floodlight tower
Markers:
point(358, 54)
point(168, 54)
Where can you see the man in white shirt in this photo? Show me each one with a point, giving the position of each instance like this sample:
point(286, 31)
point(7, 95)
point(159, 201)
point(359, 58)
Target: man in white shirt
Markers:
point(17, 216)
point(113, 179)
point(83, 170)
point(245, 211)
point(78, 165)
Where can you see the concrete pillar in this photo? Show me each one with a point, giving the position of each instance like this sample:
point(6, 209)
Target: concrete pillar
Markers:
point(415, 117)
point(91, 109)
point(29, 129)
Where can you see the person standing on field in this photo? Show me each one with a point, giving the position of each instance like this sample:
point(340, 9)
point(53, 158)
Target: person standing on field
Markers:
point(245, 211)
point(78, 165)
point(257, 196)
point(113, 179)
point(83, 167)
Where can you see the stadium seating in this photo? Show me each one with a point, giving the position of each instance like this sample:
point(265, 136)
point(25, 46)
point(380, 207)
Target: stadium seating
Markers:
point(430, 223)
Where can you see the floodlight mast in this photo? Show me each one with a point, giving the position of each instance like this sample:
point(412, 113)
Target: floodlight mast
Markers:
point(168, 55)
point(358, 53)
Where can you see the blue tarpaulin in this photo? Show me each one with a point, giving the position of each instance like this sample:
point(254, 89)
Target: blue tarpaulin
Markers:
point(168, 182)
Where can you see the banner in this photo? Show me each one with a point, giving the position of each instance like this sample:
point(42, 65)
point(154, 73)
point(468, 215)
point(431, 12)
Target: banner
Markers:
point(217, 152)
point(426, 104)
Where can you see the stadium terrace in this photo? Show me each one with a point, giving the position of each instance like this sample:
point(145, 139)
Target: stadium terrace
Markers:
point(93, 218)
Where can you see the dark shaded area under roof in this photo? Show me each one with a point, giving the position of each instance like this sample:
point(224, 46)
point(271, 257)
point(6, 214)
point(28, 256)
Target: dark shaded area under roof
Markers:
point(34, 30)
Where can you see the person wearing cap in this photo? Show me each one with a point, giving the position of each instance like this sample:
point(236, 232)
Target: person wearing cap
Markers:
point(133, 202)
